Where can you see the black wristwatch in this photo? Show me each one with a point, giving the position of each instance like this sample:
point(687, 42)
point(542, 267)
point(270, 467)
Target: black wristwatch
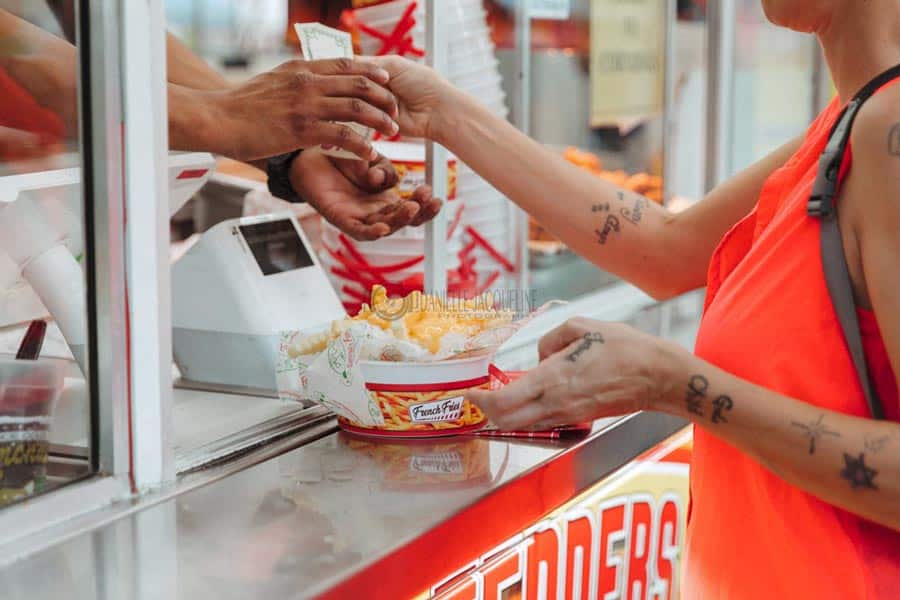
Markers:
point(278, 168)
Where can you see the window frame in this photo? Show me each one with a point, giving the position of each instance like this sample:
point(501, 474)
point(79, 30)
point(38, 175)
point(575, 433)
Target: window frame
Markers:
point(122, 124)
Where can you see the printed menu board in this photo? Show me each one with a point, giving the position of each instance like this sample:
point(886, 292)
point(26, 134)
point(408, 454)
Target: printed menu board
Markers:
point(626, 61)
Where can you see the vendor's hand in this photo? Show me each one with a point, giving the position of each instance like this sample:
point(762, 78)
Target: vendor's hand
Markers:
point(354, 203)
point(589, 369)
point(422, 95)
point(297, 104)
point(375, 176)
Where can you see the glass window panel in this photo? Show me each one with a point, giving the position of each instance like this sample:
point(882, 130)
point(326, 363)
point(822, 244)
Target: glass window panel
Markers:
point(773, 85)
point(44, 396)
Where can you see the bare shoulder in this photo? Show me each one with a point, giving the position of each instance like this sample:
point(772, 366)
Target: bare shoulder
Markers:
point(876, 132)
point(870, 197)
point(876, 156)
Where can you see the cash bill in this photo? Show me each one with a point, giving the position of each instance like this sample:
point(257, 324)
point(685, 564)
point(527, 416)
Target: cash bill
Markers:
point(319, 42)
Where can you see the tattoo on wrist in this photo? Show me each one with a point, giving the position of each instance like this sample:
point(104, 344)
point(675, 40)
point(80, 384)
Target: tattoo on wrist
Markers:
point(894, 140)
point(600, 207)
point(586, 342)
point(697, 387)
point(721, 404)
point(813, 430)
point(857, 473)
point(611, 226)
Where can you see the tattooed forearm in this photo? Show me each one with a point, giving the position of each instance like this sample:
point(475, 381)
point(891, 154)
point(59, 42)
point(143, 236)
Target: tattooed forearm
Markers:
point(586, 342)
point(894, 140)
point(857, 473)
point(813, 430)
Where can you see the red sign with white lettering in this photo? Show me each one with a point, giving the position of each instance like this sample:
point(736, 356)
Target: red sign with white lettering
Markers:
point(620, 540)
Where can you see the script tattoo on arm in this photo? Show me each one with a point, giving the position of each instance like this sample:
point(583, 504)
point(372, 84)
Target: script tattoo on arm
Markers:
point(720, 405)
point(697, 387)
point(814, 430)
point(894, 140)
point(876, 443)
point(634, 214)
point(611, 225)
point(696, 392)
point(587, 341)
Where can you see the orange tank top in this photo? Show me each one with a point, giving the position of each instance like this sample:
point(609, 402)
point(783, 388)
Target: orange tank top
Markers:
point(769, 319)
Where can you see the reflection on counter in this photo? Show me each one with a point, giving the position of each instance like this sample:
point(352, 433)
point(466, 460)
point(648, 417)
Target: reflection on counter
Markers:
point(329, 507)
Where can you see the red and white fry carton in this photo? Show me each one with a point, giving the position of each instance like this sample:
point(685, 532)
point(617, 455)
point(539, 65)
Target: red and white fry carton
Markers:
point(381, 384)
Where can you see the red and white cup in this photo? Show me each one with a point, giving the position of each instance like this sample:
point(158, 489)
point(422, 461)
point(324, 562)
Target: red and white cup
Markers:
point(424, 399)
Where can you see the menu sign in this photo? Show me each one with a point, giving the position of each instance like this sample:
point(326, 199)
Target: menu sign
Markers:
point(627, 61)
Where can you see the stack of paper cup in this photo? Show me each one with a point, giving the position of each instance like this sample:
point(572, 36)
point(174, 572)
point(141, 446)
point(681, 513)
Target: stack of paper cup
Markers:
point(472, 67)
point(472, 64)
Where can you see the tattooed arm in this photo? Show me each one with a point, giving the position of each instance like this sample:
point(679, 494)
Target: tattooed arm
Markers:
point(663, 253)
point(847, 461)
point(590, 370)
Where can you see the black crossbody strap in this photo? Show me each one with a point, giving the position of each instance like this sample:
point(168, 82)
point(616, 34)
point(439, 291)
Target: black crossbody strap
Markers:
point(822, 205)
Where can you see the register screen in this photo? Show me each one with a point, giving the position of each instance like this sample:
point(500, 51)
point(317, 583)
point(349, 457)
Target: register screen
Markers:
point(276, 246)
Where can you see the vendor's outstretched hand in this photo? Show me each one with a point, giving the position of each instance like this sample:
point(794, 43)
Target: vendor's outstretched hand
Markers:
point(356, 197)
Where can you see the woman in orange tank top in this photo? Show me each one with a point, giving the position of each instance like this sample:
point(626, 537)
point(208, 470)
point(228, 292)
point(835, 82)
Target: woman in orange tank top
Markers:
point(795, 487)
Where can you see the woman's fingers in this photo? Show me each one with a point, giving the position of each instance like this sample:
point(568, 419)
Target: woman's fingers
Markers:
point(500, 404)
point(560, 338)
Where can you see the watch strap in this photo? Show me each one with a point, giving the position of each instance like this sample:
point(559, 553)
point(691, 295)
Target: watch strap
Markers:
point(278, 169)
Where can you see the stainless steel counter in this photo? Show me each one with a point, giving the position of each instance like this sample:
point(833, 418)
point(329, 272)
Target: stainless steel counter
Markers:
point(297, 518)
point(327, 514)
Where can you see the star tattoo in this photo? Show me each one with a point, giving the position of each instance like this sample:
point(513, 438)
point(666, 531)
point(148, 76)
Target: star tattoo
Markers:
point(857, 473)
point(814, 430)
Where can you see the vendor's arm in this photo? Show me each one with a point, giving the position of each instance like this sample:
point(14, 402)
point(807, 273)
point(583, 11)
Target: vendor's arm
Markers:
point(292, 106)
point(622, 232)
point(185, 68)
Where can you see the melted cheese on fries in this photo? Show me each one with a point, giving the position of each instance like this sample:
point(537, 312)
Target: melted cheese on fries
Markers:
point(421, 318)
